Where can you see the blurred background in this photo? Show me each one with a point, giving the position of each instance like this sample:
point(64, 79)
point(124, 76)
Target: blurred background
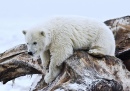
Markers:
point(17, 15)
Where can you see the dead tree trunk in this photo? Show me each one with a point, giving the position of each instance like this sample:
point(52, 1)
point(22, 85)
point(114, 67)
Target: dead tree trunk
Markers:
point(81, 72)
point(121, 29)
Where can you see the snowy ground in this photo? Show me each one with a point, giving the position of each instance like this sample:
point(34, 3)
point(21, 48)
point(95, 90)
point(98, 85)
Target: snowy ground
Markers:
point(10, 36)
point(20, 84)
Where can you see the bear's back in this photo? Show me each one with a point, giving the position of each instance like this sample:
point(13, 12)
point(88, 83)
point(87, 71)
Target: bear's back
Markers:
point(75, 23)
point(81, 30)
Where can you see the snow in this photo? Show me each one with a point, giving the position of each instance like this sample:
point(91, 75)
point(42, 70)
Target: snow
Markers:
point(20, 84)
point(59, 89)
point(76, 86)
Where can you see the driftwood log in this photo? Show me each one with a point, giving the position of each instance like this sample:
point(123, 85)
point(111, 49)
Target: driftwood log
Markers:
point(81, 72)
point(121, 29)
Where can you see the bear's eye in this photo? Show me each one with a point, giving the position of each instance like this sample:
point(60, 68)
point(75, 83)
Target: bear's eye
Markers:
point(34, 43)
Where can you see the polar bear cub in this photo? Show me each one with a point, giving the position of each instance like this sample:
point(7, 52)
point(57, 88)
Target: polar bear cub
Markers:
point(56, 39)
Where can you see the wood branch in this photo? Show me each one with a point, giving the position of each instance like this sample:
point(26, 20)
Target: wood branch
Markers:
point(15, 63)
point(122, 38)
point(121, 29)
point(127, 27)
point(81, 70)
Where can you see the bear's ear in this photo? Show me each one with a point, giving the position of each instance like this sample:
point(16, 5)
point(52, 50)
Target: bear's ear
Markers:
point(24, 32)
point(42, 33)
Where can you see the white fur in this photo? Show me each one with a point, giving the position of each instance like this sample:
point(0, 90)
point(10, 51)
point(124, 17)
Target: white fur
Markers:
point(62, 35)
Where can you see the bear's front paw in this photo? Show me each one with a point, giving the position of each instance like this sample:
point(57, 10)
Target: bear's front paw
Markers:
point(48, 78)
point(95, 52)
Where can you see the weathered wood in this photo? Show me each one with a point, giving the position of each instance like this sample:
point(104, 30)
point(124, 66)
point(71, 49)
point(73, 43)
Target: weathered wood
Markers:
point(121, 29)
point(16, 62)
point(81, 70)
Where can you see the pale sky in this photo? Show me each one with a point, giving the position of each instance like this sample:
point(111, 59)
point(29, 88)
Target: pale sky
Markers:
point(40, 9)
point(18, 15)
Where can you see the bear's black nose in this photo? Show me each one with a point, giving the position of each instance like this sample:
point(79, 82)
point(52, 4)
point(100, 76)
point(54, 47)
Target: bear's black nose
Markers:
point(30, 53)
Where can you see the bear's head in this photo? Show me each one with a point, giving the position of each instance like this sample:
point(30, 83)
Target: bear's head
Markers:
point(36, 42)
